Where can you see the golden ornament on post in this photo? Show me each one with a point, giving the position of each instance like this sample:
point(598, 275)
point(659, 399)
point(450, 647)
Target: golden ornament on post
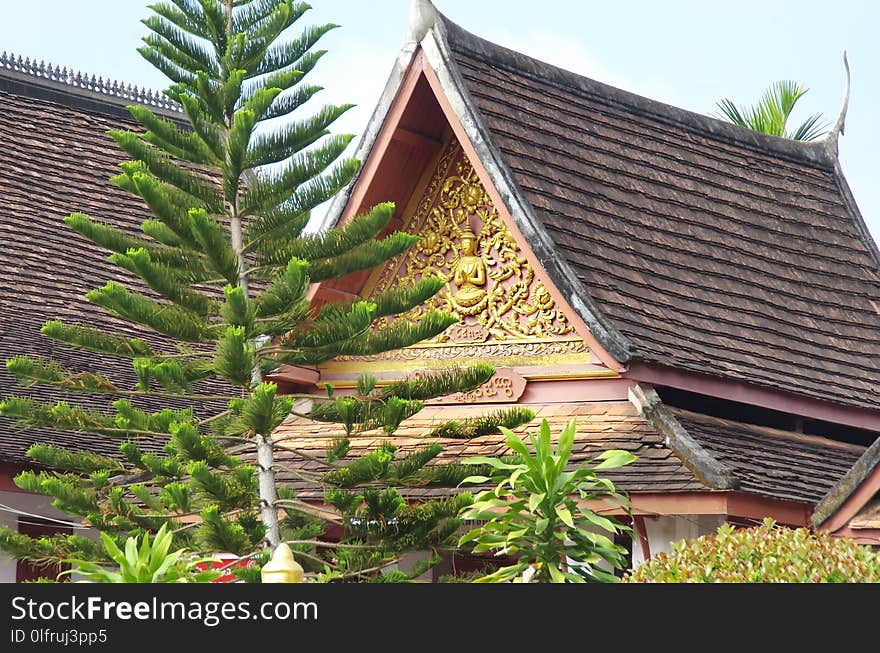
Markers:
point(282, 568)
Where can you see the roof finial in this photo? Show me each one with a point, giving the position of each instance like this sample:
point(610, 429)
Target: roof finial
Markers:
point(422, 17)
point(839, 126)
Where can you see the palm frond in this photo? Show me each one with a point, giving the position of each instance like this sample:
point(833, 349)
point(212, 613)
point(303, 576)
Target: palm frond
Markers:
point(772, 113)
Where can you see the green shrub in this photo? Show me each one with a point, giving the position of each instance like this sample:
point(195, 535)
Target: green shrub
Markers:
point(144, 561)
point(532, 514)
point(764, 554)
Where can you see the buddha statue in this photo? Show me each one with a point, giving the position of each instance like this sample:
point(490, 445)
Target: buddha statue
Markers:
point(469, 272)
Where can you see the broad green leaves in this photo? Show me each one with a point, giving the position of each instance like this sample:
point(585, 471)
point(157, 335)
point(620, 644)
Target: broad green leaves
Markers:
point(147, 562)
point(536, 512)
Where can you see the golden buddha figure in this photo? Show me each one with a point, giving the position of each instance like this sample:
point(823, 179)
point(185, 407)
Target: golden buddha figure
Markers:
point(469, 272)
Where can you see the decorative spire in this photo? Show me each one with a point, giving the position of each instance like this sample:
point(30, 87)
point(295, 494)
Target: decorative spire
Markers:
point(834, 135)
point(40, 69)
point(422, 17)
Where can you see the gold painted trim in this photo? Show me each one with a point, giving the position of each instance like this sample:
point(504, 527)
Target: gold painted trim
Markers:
point(347, 383)
point(573, 376)
point(521, 341)
point(440, 363)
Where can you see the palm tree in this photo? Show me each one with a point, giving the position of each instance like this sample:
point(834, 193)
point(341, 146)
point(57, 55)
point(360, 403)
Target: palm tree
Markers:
point(771, 114)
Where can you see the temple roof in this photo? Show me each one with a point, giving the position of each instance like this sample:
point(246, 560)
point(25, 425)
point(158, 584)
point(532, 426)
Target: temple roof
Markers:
point(682, 240)
point(771, 462)
point(57, 159)
point(765, 462)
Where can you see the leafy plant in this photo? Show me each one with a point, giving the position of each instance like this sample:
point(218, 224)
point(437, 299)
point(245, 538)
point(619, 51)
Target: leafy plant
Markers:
point(771, 114)
point(764, 554)
point(144, 562)
point(532, 513)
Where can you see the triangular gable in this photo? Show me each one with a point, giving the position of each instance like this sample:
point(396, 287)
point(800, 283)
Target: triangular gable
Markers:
point(511, 312)
point(852, 507)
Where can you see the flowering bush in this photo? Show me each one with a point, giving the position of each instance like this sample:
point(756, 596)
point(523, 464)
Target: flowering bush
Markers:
point(765, 554)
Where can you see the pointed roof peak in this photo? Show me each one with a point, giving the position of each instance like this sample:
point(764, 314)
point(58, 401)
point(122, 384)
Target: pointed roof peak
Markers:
point(833, 136)
point(423, 15)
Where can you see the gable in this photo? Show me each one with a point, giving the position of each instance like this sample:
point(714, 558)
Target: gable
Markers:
point(509, 312)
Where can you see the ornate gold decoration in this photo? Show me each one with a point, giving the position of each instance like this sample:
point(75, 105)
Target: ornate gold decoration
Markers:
point(553, 348)
point(498, 354)
point(490, 285)
point(469, 274)
point(505, 386)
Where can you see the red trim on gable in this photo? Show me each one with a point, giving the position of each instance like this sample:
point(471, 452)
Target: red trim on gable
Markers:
point(729, 504)
point(7, 472)
point(748, 393)
point(385, 136)
point(409, 139)
point(854, 503)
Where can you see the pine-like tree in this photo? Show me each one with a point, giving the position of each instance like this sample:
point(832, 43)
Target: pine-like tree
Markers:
point(227, 267)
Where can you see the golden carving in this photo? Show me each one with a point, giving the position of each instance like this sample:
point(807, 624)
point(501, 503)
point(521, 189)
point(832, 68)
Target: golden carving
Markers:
point(498, 354)
point(469, 274)
point(490, 285)
point(556, 348)
point(505, 387)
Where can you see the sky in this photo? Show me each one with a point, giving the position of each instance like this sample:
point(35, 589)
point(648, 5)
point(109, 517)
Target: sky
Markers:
point(687, 53)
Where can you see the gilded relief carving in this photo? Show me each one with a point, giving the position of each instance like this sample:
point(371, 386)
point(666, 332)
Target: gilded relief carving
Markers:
point(490, 284)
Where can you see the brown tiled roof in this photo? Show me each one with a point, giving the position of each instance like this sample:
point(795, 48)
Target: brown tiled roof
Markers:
point(868, 517)
point(55, 158)
point(770, 462)
point(601, 426)
point(711, 248)
point(766, 462)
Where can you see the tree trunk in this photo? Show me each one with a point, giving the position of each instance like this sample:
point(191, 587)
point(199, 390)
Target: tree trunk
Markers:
point(265, 448)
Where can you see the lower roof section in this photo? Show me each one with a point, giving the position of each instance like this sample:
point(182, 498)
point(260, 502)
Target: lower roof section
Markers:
point(769, 464)
point(601, 426)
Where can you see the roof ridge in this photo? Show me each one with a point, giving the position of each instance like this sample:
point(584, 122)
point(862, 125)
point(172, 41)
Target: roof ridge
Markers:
point(114, 90)
point(841, 491)
point(708, 469)
point(816, 153)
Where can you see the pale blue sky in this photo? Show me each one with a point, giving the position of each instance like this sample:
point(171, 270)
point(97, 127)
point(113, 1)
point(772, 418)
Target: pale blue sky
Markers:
point(688, 53)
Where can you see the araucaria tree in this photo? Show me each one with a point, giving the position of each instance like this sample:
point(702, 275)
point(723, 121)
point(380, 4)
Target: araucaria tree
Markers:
point(226, 269)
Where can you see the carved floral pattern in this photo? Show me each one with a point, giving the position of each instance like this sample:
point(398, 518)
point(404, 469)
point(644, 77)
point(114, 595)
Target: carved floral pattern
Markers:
point(490, 286)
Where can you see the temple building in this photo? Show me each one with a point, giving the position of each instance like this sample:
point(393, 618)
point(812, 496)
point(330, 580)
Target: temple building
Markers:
point(699, 294)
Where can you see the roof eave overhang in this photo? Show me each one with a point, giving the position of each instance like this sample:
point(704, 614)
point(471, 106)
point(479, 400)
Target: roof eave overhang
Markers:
point(725, 503)
point(756, 395)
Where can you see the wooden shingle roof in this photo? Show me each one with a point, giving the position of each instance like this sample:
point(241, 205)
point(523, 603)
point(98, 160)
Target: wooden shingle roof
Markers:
point(771, 462)
point(55, 159)
point(765, 462)
point(601, 426)
point(696, 244)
